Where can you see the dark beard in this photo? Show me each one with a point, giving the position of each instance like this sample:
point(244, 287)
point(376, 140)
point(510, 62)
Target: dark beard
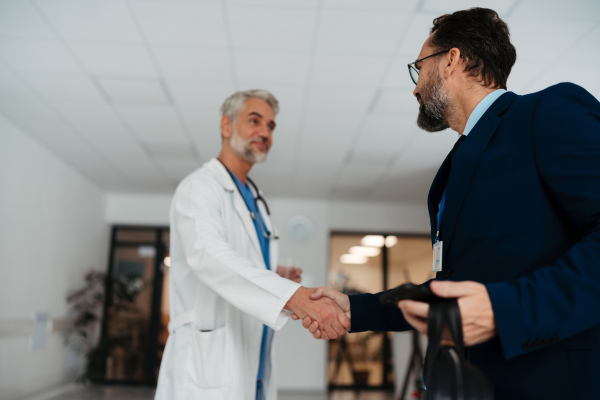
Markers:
point(434, 107)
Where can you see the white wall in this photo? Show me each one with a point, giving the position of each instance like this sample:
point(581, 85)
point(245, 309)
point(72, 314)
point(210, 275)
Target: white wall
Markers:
point(301, 360)
point(52, 231)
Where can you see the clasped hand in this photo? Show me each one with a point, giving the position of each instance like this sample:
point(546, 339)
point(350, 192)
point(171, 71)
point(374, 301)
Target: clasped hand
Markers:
point(310, 305)
point(476, 311)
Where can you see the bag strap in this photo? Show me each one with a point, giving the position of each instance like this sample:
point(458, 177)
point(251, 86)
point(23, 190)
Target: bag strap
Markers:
point(435, 330)
point(442, 313)
point(454, 321)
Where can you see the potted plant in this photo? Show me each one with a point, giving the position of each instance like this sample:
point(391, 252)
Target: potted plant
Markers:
point(83, 332)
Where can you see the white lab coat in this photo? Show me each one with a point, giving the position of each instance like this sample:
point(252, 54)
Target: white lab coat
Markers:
point(221, 293)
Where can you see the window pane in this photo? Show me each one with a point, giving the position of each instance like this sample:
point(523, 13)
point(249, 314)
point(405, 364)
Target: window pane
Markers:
point(129, 312)
point(409, 260)
point(136, 235)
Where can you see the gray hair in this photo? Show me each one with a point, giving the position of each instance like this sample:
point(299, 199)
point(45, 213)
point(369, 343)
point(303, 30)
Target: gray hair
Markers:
point(232, 106)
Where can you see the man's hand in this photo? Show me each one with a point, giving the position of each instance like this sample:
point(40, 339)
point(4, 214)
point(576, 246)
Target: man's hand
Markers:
point(475, 306)
point(322, 310)
point(340, 299)
point(291, 273)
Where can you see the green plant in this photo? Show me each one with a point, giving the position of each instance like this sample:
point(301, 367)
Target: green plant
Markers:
point(83, 333)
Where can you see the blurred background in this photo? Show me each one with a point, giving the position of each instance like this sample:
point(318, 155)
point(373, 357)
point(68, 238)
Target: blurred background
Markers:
point(105, 105)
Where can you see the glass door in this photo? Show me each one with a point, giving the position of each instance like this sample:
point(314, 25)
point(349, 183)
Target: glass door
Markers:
point(369, 263)
point(132, 330)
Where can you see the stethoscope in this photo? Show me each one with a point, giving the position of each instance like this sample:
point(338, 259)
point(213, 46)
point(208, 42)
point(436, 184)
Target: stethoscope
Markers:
point(256, 218)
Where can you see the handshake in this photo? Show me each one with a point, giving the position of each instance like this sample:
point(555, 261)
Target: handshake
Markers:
point(325, 312)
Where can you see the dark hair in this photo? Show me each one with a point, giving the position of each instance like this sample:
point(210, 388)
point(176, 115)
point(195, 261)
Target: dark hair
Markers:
point(482, 38)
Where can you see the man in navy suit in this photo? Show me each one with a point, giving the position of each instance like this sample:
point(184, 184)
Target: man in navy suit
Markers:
point(516, 209)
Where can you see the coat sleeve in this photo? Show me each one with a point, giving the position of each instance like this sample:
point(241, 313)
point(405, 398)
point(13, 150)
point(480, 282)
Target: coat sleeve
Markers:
point(197, 214)
point(368, 314)
point(560, 300)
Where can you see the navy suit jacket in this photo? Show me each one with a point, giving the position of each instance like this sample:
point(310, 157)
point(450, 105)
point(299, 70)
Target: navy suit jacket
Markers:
point(522, 216)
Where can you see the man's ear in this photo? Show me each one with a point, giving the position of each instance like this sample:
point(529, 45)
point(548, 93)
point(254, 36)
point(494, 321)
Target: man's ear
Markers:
point(453, 62)
point(226, 127)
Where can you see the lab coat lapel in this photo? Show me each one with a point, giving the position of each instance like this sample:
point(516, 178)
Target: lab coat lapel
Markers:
point(228, 184)
point(244, 214)
point(465, 161)
point(274, 241)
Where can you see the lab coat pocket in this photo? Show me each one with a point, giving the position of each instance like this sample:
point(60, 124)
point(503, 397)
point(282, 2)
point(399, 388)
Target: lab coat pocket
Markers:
point(208, 359)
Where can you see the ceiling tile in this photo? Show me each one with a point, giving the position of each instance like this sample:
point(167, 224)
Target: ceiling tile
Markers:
point(272, 28)
point(524, 73)
point(20, 20)
point(135, 91)
point(38, 56)
point(170, 150)
point(406, 187)
point(105, 21)
point(155, 124)
point(385, 135)
point(322, 124)
point(395, 102)
point(558, 9)
point(85, 114)
point(181, 23)
point(201, 125)
point(288, 3)
point(59, 88)
point(446, 7)
point(583, 71)
point(200, 98)
point(397, 76)
point(344, 99)
point(544, 39)
point(379, 32)
point(358, 177)
point(177, 168)
point(115, 60)
point(348, 70)
point(425, 151)
point(378, 5)
point(417, 32)
point(197, 63)
point(17, 109)
point(278, 67)
point(207, 139)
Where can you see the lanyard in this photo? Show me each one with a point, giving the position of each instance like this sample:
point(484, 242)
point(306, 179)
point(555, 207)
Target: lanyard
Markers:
point(440, 216)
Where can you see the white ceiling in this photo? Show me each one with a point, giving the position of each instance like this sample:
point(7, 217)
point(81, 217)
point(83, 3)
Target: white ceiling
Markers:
point(128, 91)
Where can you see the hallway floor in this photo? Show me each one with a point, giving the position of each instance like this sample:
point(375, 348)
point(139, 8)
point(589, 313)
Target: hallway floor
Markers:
point(144, 393)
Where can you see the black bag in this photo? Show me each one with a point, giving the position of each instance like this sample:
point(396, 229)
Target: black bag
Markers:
point(447, 373)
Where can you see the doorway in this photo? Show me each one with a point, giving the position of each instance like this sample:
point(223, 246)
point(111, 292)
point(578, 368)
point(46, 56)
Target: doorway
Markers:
point(371, 263)
point(134, 324)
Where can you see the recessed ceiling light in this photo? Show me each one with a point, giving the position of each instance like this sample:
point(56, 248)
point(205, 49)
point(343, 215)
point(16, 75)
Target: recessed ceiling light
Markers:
point(365, 251)
point(353, 259)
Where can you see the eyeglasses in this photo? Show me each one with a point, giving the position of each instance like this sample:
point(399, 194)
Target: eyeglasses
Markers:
point(412, 67)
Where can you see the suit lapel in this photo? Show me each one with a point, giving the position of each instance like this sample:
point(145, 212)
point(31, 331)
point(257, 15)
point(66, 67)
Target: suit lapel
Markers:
point(435, 194)
point(465, 161)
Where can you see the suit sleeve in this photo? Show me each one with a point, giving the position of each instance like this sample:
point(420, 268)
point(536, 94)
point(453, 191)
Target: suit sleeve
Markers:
point(368, 314)
point(196, 213)
point(558, 301)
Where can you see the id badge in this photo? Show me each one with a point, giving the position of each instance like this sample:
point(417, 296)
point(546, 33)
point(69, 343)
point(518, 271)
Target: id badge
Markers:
point(437, 256)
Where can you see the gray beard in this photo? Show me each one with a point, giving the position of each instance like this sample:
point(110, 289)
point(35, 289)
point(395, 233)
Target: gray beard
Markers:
point(435, 103)
point(243, 150)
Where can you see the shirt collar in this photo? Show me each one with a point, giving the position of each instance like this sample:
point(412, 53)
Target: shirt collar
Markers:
point(481, 108)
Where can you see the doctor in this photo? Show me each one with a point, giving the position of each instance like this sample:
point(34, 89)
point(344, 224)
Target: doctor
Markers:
point(225, 300)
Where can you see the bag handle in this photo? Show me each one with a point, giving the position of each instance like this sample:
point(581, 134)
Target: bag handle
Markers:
point(454, 321)
point(442, 313)
point(435, 330)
